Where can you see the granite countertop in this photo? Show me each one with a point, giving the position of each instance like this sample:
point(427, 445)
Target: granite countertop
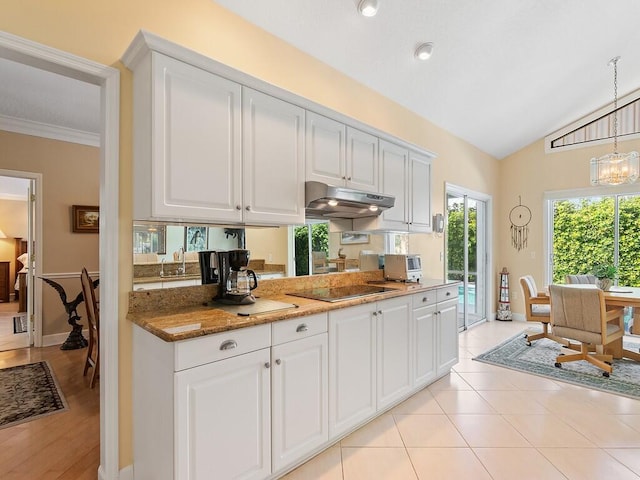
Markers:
point(190, 322)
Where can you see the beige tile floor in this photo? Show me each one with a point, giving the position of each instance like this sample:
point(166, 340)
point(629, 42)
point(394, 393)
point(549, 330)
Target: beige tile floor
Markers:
point(483, 422)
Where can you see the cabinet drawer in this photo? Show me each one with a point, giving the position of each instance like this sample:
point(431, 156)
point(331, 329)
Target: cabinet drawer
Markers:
point(422, 299)
point(211, 348)
point(447, 293)
point(296, 328)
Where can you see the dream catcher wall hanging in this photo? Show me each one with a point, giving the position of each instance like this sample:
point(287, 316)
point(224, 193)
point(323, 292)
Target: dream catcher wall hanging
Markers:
point(519, 216)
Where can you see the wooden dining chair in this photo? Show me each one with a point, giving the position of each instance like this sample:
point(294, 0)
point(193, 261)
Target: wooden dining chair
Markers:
point(93, 320)
point(580, 279)
point(580, 313)
point(537, 309)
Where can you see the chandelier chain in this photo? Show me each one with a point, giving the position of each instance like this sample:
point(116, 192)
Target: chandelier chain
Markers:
point(615, 104)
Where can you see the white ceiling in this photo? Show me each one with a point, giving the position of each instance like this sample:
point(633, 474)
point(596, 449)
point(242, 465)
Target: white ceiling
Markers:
point(34, 95)
point(504, 73)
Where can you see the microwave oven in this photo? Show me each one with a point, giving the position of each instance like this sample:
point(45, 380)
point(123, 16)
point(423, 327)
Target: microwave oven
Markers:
point(403, 267)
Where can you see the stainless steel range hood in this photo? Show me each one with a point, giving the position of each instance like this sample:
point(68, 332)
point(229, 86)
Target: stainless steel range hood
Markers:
point(328, 201)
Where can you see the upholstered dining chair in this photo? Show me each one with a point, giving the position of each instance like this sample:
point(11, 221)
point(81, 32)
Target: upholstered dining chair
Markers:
point(579, 313)
point(537, 309)
point(93, 320)
point(580, 279)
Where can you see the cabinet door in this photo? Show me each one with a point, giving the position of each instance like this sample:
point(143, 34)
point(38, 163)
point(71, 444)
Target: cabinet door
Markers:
point(420, 193)
point(394, 372)
point(273, 177)
point(352, 367)
point(299, 398)
point(325, 150)
point(424, 344)
point(447, 328)
point(362, 160)
point(222, 419)
point(196, 141)
point(393, 165)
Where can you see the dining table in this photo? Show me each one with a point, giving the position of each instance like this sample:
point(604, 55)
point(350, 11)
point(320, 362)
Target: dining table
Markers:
point(621, 296)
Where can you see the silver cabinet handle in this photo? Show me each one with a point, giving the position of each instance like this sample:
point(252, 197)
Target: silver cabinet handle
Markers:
point(424, 299)
point(349, 178)
point(302, 328)
point(247, 208)
point(238, 207)
point(375, 314)
point(267, 365)
point(448, 293)
point(379, 312)
point(228, 345)
point(278, 361)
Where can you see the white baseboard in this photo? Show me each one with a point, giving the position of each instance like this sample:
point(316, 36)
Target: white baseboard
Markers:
point(59, 338)
point(125, 474)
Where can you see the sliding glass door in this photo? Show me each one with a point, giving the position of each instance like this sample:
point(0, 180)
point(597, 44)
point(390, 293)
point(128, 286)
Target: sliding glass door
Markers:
point(466, 251)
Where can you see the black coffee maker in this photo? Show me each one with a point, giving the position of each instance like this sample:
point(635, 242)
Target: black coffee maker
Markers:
point(228, 270)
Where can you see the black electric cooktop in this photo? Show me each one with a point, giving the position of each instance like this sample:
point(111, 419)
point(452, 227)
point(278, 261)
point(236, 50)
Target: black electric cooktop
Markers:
point(335, 294)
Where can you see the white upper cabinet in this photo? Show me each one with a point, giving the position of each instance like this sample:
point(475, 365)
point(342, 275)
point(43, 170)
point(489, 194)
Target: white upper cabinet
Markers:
point(273, 143)
point(187, 144)
point(393, 166)
point(362, 160)
point(406, 175)
point(419, 193)
point(340, 155)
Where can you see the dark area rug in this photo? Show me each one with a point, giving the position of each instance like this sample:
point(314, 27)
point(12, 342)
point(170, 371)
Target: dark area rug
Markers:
point(540, 357)
point(28, 392)
point(20, 324)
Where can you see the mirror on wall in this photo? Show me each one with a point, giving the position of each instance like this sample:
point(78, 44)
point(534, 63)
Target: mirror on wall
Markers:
point(166, 255)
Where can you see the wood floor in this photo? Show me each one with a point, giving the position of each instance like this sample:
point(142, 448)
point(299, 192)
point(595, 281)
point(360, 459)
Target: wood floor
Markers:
point(64, 446)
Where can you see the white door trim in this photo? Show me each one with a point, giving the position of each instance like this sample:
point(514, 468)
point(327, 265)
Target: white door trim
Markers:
point(36, 291)
point(53, 60)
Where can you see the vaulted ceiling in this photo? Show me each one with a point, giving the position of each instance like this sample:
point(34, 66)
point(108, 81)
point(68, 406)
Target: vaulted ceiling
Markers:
point(503, 73)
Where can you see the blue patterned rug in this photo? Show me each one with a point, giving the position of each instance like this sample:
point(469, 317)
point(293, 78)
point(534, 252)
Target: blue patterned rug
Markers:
point(540, 357)
point(28, 392)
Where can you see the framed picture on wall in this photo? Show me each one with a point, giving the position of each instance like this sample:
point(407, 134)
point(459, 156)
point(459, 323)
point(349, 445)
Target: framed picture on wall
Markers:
point(150, 239)
point(347, 238)
point(195, 239)
point(85, 218)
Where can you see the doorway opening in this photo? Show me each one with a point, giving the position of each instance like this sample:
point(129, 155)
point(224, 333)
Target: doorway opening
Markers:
point(17, 312)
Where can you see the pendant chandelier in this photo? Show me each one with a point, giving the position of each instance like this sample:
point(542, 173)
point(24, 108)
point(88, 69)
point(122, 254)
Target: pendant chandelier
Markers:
point(615, 168)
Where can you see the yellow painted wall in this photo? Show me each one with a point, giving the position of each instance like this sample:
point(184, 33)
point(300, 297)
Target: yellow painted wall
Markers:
point(101, 31)
point(528, 174)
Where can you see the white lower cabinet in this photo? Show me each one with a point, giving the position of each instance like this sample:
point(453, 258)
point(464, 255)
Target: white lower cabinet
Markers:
point(352, 367)
point(222, 419)
point(447, 335)
point(424, 337)
point(299, 398)
point(394, 363)
point(251, 403)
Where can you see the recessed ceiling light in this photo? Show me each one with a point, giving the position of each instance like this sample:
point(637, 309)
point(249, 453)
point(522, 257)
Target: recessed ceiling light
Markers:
point(423, 52)
point(368, 8)
point(373, 208)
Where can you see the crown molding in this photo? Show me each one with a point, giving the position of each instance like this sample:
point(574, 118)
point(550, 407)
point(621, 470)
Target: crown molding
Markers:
point(54, 132)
